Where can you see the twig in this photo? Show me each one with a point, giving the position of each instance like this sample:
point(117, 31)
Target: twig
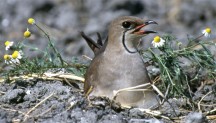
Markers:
point(134, 88)
point(154, 113)
point(87, 57)
point(72, 104)
point(158, 91)
point(156, 79)
point(208, 112)
point(166, 93)
point(68, 82)
point(42, 101)
point(13, 110)
point(206, 105)
point(1, 92)
point(41, 114)
point(49, 76)
point(201, 101)
point(64, 75)
point(211, 117)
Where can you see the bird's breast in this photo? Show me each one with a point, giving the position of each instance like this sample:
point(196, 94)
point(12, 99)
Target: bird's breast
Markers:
point(123, 70)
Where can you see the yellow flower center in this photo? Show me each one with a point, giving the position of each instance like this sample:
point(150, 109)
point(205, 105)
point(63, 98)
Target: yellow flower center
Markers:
point(7, 43)
point(27, 34)
point(31, 21)
point(157, 39)
point(208, 30)
point(6, 57)
point(15, 54)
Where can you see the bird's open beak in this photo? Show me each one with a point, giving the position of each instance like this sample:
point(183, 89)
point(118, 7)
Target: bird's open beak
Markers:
point(138, 30)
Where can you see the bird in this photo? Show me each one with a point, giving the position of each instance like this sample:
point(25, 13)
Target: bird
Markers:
point(117, 64)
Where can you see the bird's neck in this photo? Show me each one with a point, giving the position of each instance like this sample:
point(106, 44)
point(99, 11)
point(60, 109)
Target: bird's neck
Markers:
point(122, 44)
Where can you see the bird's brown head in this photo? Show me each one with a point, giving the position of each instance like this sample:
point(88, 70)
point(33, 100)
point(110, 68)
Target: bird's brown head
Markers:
point(130, 25)
point(129, 29)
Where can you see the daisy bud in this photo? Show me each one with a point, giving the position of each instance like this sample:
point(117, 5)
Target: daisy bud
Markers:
point(31, 21)
point(27, 33)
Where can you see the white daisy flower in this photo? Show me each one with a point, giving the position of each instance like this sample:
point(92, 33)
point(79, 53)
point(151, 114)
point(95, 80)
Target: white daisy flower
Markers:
point(206, 32)
point(7, 58)
point(8, 44)
point(17, 55)
point(158, 41)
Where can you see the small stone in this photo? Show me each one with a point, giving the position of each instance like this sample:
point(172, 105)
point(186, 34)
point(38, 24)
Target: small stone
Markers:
point(13, 96)
point(195, 117)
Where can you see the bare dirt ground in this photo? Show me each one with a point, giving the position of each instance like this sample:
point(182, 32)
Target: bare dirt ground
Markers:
point(49, 101)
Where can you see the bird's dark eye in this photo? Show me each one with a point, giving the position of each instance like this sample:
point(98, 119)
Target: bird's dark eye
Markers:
point(126, 25)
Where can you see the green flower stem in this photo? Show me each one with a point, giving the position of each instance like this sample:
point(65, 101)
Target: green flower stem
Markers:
point(51, 44)
point(194, 40)
point(166, 70)
point(198, 37)
point(190, 47)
